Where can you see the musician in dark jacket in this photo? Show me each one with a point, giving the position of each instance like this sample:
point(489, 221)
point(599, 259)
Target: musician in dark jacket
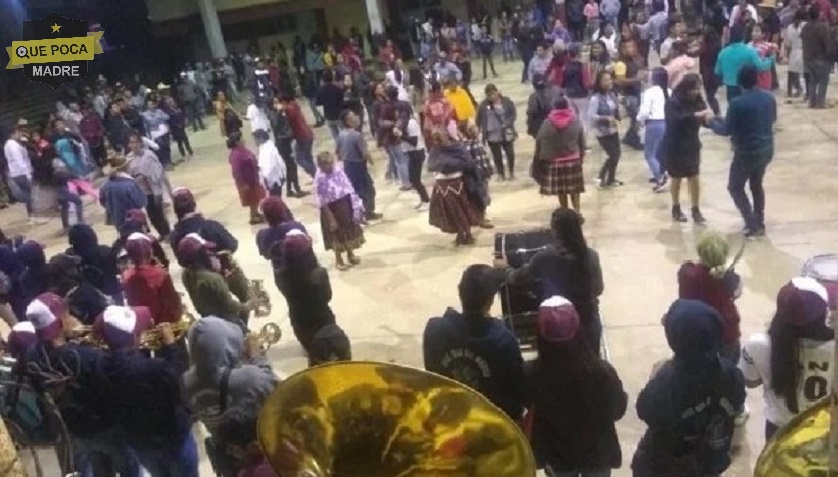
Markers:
point(575, 397)
point(142, 394)
point(567, 268)
point(97, 262)
point(475, 349)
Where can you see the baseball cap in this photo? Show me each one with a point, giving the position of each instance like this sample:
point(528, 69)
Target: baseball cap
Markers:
point(193, 243)
point(296, 243)
point(45, 313)
point(803, 301)
point(183, 201)
point(138, 247)
point(21, 338)
point(558, 320)
point(121, 326)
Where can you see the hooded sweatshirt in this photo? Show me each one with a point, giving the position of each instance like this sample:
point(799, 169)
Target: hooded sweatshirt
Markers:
point(561, 137)
point(691, 403)
point(10, 266)
point(479, 352)
point(35, 277)
point(216, 345)
point(98, 264)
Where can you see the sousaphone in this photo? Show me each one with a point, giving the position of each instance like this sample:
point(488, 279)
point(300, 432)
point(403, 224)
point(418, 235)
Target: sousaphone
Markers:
point(365, 419)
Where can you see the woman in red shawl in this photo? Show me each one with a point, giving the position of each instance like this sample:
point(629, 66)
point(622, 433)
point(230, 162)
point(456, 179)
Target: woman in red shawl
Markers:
point(246, 175)
point(438, 113)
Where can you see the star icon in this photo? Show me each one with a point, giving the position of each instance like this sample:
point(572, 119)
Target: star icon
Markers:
point(55, 27)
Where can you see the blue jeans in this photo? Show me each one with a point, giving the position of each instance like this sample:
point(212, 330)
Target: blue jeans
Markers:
point(655, 130)
point(508, 48)
point(334, 129)
point(162, 462)
point(359, 176)
point(304, 157)
point(65, 198)
point(398, 163)
point(749, 168)
point(24, 192)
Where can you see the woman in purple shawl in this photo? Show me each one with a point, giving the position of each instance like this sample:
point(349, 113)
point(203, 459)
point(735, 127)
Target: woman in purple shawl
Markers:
point(341, 211)
point(246, 175)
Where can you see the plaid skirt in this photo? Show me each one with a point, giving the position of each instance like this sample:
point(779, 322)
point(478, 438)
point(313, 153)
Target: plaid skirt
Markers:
point(560, 178)
point(450, 210)
point(349, 234)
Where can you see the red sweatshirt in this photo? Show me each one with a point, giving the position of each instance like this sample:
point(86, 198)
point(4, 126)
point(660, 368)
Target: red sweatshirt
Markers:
point(151, 286)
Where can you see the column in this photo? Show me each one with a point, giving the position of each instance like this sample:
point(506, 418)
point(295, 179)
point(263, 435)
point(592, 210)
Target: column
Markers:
point(374, 16)
point(212, 28)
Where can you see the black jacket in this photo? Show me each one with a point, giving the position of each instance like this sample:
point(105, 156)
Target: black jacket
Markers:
point(209, 230)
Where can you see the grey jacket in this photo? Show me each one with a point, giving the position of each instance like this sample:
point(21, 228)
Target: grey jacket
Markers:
point(489, 129)
point(216, 345)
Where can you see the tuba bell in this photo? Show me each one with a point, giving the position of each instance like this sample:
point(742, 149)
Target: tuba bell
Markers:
point(364, 419)
point(263, 300)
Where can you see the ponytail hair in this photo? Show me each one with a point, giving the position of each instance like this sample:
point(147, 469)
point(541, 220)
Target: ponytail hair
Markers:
point(713, 250)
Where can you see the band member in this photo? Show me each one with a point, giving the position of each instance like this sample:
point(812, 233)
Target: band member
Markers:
point(576, 397)
point(192, 222)
point(474, 348)
point(280, 223)
point(207, 288)
point(97, 439)
point(567, 268)
point(98, 265)
point(136, 221)
point(143, 395)
point(238, 432)
point(148, 285)
point(21, 338)
point(328, 345)
point(692, 399)
point(305, 286)
point(226, 365)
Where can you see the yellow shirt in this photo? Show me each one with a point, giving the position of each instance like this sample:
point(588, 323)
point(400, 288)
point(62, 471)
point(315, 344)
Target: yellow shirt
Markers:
point(461, 102)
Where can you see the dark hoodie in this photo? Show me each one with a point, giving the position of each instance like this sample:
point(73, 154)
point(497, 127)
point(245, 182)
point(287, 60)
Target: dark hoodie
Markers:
point(217, 345)
point(691, 402)
point(34, 279)
point(561, 137)
point(209, 230)
point(98, 265)
point(479, 352)
point(10, 265)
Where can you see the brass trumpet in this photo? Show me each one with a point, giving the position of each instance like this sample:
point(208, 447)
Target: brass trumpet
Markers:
point(269, 335)
point(152, 340)
point(263, 300)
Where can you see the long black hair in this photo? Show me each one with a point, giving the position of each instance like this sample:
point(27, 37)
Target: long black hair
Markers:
point(566, 225)
point(660, 78)
point(785, 353)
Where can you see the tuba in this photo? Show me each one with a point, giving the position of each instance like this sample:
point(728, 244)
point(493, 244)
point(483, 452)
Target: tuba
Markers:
point(365, 419)
point(263, 300)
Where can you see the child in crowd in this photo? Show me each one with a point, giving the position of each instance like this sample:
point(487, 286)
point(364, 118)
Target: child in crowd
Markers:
point(591, 13)
point(341, 211)
point(484, 168)
point(765, 79)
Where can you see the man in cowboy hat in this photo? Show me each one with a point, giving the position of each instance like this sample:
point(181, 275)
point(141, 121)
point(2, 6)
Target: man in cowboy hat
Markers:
point(120, 192)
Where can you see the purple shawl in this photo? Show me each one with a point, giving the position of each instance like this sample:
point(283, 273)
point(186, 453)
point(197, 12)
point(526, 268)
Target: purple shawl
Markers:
point(331, 187)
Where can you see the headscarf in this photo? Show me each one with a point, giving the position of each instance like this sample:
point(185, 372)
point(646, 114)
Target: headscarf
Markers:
point(84, 241)
point(10, 266)
point(35, 276)
point(276, 211)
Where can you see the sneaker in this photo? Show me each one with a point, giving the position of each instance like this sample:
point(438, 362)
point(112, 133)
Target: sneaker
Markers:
point(698, 218)
point(677, 214)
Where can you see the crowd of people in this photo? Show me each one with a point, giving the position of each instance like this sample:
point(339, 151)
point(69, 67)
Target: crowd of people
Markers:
point(127, 406)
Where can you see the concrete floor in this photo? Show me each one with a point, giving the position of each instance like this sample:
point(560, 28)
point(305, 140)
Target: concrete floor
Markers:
point(410, 270)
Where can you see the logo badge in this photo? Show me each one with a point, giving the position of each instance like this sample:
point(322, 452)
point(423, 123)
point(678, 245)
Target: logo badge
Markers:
point(54, 50)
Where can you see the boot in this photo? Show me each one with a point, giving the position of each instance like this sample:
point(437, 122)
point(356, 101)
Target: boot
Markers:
point(697, 217)
point(677, 215)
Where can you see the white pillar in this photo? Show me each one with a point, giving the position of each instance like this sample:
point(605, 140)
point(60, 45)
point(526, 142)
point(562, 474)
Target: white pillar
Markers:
point(374, 16)
point(212, 28)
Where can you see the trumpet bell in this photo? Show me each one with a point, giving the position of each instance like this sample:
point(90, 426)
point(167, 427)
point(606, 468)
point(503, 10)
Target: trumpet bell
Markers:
point(365, 419)
point(801, 448)
point(270, 335)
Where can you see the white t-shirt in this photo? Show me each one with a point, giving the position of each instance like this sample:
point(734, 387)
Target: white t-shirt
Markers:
point(257, 119)
point(413, 130)
point(816, 359)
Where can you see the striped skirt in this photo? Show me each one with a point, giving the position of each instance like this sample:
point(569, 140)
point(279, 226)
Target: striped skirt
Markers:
point(451, 211)
point(562, 178)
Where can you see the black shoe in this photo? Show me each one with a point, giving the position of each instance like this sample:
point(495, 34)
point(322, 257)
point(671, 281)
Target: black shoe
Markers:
point(677, 215)
point(373, 216)
point(697, 217)
point(754, 232)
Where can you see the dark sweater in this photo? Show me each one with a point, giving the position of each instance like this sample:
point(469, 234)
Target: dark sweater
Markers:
point(330, 97)
point(818, 45)
point(481, 353)
point(750, 122)
point(209, 230)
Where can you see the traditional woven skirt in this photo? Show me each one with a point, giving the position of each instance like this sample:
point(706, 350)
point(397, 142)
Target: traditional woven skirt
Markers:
point(249, 195)
point(451, 210)
point(562, 178)
point(349, 234)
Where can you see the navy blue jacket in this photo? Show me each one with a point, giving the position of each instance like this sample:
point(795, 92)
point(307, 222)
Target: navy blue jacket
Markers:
point(142, 395)
point(479, 352)
point(208, 230)
point(118, 195)
point(750, 122)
